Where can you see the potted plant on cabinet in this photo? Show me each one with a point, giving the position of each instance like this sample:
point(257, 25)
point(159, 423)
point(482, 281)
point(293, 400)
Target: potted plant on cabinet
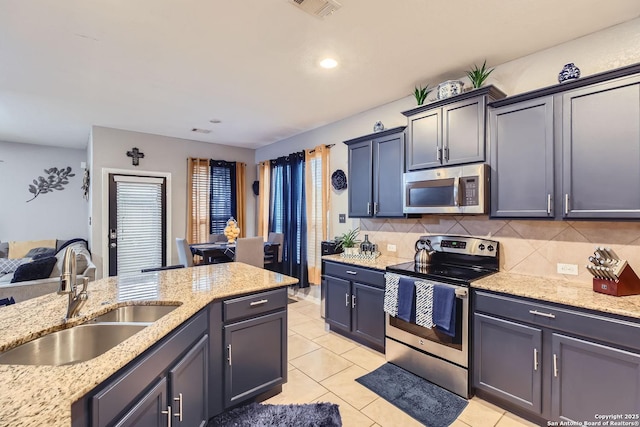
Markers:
point(348, 241)
point(479, 75)
point(421, 93)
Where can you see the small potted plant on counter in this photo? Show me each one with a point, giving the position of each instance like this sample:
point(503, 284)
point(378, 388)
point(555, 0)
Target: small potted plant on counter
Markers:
point(479, 75)
point(348, 241)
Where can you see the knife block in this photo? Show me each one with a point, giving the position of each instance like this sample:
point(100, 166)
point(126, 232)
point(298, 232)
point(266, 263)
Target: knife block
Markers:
point(628, 283)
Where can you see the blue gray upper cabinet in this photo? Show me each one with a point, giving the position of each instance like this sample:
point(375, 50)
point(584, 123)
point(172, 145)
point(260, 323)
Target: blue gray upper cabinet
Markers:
point(449, 132)
point(521, 139)
point(376, 165)
point(568, 151)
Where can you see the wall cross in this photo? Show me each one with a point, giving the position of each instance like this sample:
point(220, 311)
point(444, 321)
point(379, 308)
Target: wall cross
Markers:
point(135, 155)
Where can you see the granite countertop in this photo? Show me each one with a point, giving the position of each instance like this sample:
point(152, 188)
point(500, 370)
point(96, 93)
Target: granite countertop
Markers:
point(42, 395)
point(559, 291)
point(380, 263)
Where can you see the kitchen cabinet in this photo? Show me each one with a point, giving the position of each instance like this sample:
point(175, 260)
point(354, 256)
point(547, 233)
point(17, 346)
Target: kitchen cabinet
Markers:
point(376, 165)
point(521, 139)
point(255, 345)
point(354, 299)
point(449, 132)
point(168, 382)
point(568, 151)
point(553, 362)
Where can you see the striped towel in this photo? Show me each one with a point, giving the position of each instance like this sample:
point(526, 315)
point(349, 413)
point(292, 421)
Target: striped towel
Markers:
point(424, 304)
point(391, 294)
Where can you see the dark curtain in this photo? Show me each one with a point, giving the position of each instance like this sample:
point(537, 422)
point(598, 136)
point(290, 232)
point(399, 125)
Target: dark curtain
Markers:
point(288, 213)
point(222, 194)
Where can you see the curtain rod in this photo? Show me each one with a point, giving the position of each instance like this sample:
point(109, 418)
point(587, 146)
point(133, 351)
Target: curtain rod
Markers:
point(327, 146)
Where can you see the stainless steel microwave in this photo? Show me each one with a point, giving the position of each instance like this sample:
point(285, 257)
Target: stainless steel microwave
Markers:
point(449, 190)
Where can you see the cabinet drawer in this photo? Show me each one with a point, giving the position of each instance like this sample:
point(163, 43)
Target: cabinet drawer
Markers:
point(357, 274)
point(253, 305)
point(597, 326)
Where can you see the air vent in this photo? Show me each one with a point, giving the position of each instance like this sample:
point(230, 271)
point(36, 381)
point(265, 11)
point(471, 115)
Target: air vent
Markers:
point(200, 130)
point(318, 8)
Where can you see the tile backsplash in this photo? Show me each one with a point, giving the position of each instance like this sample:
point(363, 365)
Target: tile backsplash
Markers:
point(526, 247)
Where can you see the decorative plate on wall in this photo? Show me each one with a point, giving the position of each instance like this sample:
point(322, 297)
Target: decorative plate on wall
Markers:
point(339, 180)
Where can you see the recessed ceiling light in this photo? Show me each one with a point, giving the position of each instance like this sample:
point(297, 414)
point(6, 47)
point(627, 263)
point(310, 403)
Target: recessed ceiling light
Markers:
point(215, 121)
point(328, 63)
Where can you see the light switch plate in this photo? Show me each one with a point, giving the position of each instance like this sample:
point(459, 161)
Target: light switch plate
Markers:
point(571, 269)
point(342, 218)
point(391, 248)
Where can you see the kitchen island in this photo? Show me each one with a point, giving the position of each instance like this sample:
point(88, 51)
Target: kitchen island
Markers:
point(43, 395)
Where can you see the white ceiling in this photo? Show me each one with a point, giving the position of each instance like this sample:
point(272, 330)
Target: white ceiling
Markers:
point(167, 66)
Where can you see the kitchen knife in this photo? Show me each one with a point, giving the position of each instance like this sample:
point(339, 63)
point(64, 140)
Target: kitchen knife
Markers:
point(612, 254)
point(591, 270)
point(593, 260)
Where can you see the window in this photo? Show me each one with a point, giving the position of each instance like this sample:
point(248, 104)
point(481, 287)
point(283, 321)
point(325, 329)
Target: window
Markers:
point(222, 195)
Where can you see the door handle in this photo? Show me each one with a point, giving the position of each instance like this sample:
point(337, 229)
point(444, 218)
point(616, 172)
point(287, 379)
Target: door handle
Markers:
point(353, 301)
point(535, 359)
point(179, 400)
point(368, 208)
point(446, 154)
point(555, 365)
point(566, 204)
point(112, 245)
point(346, 300)
point(168, 413)
point(229, 354)
point(549, 204)
point(375, 208)
point(439, 154)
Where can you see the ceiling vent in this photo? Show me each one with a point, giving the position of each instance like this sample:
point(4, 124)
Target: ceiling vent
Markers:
point(318, 8)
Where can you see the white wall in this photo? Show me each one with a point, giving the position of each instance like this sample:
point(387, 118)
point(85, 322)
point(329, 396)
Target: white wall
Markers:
point(608, 49)
point(61, 214)
point(108, 148)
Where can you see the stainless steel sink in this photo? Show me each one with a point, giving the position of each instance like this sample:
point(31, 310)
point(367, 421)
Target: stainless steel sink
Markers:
point(136, 313)
point(73, 345)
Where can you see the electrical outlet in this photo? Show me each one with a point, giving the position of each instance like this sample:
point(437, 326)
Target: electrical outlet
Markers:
point(391, 248)
point(568, 269)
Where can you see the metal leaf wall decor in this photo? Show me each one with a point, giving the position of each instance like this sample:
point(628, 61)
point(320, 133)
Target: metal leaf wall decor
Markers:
point(56, 180)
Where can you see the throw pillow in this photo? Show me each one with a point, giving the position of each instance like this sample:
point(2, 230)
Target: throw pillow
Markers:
point(20, 249)
point(82, 257)
point(10, 265)
point(34, 270)
point(4, 249)
point(40, 252)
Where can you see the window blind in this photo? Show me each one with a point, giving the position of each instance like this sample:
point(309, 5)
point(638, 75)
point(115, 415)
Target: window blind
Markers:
point(222, 194)
point(139, 219)
point(199, 201)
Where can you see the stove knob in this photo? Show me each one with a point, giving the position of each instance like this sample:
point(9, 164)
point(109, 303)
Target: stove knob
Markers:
point(481, 247)
point(490, 248)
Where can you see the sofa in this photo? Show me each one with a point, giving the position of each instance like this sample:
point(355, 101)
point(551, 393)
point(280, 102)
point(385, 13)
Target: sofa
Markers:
point(29, 269)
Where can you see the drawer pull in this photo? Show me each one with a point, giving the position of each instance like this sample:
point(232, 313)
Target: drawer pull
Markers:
point(535, 359)
point(229, 351)
point(262, 301)
point(179, 400)
point(555, 365)
point(352, 272)
point(539, 313)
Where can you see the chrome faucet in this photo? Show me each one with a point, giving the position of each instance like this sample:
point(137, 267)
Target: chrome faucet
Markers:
point(69, 286)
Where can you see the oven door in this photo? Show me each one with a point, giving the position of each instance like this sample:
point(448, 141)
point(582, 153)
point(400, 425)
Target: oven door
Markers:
point(453, 349)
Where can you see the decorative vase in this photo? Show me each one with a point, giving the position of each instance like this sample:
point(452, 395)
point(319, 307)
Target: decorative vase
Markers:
point(449, 88)
point(569, 72)
point(378, 127)
point(231, 231)
point(366, 245)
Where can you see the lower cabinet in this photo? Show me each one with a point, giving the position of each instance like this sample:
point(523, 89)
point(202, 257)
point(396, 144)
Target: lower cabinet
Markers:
point(255, 345)
point(354, 307)
point(554, 362)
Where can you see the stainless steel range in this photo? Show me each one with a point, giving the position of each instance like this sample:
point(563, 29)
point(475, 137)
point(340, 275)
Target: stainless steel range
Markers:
point(439, 357)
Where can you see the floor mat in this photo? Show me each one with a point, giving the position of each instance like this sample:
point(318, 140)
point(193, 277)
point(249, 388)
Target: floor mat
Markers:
point(426, 402)
point(264, 415)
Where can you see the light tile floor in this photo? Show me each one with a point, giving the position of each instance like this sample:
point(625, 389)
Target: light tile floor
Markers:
point(323, 367)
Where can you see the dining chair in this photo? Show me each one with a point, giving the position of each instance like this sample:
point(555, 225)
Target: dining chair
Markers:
point(250, 250)
point(273, 254)
point(184, 252)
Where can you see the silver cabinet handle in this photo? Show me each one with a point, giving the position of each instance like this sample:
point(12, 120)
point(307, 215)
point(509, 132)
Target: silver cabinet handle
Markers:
point(353, 273)
point(555, 365)
point(262, 301)
point(549, 204)
point(368, 208)
point(168, 413)
point(539, 313)
point(446, 154)
point(179, 399)
point(439, 154)
point(566, 204)
point(353, 301)
point(346, 300)
point(229, 352)
point(375, 208)
point(535, 359)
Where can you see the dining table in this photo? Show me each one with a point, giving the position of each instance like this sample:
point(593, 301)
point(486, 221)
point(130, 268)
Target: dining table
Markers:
point(218, 252)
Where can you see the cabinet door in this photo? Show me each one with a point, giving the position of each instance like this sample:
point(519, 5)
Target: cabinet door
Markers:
point(590, 378)
point(189, 387)
point(359, 184)
point(368, 314)
point(148, 411)
point(463, 131)
point(601, 150)
point(388, 154)
point(256, 361)
point(521, 139)
point(424, 136)
point(506, 361)
point(338, 303)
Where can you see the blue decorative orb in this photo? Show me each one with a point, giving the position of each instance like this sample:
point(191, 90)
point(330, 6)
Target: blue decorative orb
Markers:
point(569, 72)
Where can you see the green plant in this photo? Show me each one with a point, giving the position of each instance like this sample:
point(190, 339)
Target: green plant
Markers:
point(348, 239)
point(479, 75)
point(421, 93)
